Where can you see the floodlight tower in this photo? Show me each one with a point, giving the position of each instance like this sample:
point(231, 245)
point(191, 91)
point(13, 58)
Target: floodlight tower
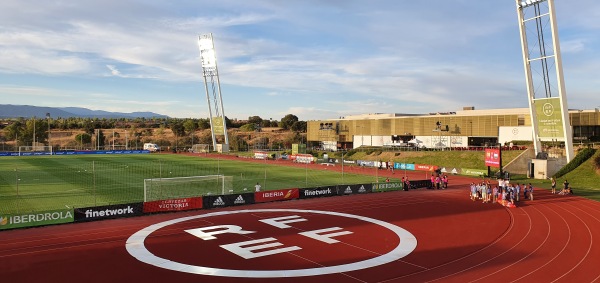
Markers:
point(213, 94)
point(546, 92)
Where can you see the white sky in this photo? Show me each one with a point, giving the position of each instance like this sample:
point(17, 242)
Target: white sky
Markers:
point(311, 58)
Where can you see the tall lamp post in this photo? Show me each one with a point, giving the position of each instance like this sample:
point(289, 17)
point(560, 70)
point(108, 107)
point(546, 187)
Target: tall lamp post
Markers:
point(48, 120)
point(33, 143)
point(580, 137)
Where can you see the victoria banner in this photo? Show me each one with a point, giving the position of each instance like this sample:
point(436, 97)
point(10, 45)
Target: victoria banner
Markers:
point(180, 204)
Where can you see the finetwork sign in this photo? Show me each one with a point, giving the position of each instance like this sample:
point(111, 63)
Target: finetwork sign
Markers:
point(317, 192)
point(35, 219)
point(108, 211)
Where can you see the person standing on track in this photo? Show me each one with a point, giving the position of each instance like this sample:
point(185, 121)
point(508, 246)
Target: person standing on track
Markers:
point(530, 187)
point(445, 181)
point(553, 183)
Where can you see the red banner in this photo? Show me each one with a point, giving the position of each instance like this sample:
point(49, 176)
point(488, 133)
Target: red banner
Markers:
point(267, 196)
point(173, 204)
point(261, 155)
point(425, 167)
point(492, 157)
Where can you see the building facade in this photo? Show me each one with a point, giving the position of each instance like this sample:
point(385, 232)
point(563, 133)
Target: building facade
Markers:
point(466, 128)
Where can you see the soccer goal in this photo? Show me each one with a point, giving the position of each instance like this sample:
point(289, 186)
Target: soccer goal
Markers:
point(35, 150)
point(200, 148)
point(185, 187)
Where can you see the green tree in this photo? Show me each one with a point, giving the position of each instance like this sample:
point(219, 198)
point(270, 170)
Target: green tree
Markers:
point(177, 128)
point(299, 126)
point(255, 120)
point(14, 130)
point(83, 138)
point(288, 121)
point(190, 126)
point(248, 128)
point(204, 124)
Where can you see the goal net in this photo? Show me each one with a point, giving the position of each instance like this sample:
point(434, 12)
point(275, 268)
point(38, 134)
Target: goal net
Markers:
point(185, 187)
point(35, 150)
point(200, 148)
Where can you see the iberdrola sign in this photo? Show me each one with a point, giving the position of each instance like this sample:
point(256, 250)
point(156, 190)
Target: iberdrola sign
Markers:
point(10, 221)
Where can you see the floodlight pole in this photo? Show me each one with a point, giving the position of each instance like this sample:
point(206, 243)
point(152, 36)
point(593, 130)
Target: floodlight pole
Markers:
point(210, 74)
point(343, 166)
point(48, 120)
point(33, 142)
point(546, 105)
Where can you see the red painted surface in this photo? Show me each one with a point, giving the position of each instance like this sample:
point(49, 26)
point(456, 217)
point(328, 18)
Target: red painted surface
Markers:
point(548, 239)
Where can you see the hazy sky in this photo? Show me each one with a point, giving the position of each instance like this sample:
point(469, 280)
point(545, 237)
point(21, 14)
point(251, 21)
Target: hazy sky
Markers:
point(312, 58)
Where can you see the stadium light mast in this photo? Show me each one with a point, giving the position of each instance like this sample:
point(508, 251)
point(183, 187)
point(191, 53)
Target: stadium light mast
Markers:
point(546, 92)
point(212, 87)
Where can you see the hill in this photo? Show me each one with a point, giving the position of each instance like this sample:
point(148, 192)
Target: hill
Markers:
point(27, 111)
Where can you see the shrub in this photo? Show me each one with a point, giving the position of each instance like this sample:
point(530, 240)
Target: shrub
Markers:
point(597, 162)
point(581, 157)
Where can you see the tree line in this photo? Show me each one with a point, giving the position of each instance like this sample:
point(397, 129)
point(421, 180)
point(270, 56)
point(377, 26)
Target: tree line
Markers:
point(28, 130)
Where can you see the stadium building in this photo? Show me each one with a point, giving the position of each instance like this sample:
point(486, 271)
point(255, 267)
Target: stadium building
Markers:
point(442, 130)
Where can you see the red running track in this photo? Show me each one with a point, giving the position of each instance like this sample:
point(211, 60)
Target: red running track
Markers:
point(549, 239)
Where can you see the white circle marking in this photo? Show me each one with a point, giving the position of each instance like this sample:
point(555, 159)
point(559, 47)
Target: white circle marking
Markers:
point(136, 248)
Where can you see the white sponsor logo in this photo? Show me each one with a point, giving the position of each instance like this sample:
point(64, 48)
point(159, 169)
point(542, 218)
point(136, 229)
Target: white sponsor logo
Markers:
point(362, 189)
point(272, 194)
point(90, 213)
point(348, 190)
point(39, 217)
point(219, 201)
point(317, 192)
point(239, 200)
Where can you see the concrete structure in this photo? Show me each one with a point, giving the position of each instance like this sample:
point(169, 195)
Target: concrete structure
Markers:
point(447, 130)
point(466, 128)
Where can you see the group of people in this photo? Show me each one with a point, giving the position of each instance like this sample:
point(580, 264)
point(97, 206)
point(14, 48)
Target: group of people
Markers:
point(504, 192)
point(439, 182)
point(566, 190)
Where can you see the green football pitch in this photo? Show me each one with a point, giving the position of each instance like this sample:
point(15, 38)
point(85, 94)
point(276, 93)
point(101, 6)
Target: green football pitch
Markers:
point(40, 183)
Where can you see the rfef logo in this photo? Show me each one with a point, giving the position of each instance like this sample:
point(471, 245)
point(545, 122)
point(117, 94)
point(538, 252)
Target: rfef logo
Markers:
point(294, 241)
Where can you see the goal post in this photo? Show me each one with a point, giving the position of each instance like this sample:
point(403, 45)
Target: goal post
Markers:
point(185, 187)
point(200, 148)
point(35, 150)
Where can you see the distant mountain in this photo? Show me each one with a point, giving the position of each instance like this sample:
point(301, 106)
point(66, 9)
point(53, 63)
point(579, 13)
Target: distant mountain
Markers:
point(27, 111)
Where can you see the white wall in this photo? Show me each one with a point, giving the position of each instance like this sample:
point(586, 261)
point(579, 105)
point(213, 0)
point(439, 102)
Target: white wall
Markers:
point(357, 141)
point(441, 141)
point(515, 133)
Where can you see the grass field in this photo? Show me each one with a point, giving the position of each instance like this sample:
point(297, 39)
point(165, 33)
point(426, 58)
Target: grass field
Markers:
point(52, 182)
